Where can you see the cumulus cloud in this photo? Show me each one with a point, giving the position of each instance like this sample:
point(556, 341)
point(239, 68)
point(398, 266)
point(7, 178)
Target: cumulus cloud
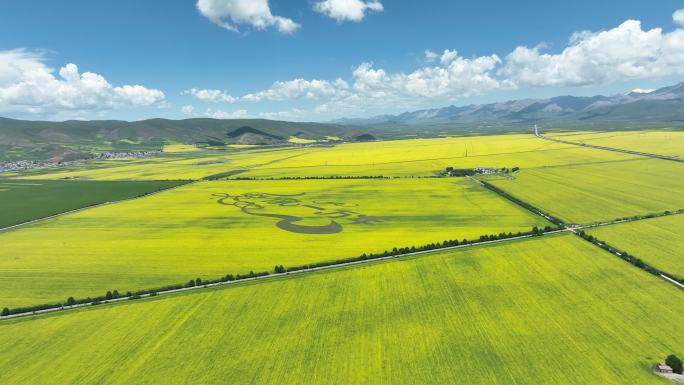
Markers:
point(300, 89)
point(622, 53)
point(188, 110)
point(28, 87)
point(430, 56)
point(448, 56)
point(292, 114)
point(678, 17)
point(374, 87)
point(255, 13)
point(347, 10)
point(220, 114)
point(211, 96)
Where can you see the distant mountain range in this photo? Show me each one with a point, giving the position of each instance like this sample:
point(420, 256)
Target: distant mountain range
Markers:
point(57, 141)
point(636, 109)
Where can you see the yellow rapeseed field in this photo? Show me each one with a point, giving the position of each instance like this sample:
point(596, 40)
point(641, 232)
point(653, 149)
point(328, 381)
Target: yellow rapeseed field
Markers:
point(213, 228)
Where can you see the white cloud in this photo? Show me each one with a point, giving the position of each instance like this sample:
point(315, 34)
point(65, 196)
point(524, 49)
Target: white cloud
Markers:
point(643, 91)
point(678, 17)
point(626, 52)
point(448, 56)
point(29, 88)
point(211, 96)
point(293, 114)
point(256, 13)
point(299, 89)
point(188, 110)
point(220, 114)
point(622, 53)
point(430, 56)
point(347, 10)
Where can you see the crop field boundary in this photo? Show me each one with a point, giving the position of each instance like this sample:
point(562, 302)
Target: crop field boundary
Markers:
point(484, 240)
point(579, 231)
point(538, 134)
point(266, 275)
point(73, 211)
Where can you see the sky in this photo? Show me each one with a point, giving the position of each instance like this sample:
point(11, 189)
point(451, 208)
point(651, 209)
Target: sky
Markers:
point(320, 60)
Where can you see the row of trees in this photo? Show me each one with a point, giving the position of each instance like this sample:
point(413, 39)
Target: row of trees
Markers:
point(398, 251)
point(627, 257)
point(336, 177)
point(278, 269)
point(652, 215)
point(552, 219)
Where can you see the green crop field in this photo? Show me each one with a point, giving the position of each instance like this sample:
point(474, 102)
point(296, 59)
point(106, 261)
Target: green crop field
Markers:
point(212, 228)
point(552, 310)
point(588, 193)
point(22, 200)
point(658, 241)
point(663, 142)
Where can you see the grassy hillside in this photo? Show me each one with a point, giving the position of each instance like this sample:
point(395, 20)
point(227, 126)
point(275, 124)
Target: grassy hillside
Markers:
point(22, 201)
point(553, 310)
point(197, 231)
point(75, 139)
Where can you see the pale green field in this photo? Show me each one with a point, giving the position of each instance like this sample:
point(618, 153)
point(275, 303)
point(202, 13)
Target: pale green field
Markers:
point(599, 192)
point(182, 234)
point(553, 310)
point(663, 142)
point(658, 241)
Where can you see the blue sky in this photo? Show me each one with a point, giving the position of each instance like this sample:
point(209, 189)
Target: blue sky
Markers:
point(221, 58)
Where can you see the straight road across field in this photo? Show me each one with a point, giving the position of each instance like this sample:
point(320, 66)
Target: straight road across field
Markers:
point(538, 134)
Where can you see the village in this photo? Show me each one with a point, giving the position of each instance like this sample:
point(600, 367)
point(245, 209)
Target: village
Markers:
point(28, 164)
point(460, 172)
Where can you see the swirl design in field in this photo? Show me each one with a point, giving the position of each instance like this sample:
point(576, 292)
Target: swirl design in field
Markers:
point(263, 205)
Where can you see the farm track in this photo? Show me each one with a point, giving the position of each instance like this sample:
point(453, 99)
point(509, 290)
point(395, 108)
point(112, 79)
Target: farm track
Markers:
point(631, 152)
point(572, 229)
point(278, 275)
point(576, 229)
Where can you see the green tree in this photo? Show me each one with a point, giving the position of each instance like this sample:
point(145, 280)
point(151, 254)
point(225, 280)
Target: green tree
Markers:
point(71, 301)
point(675, 363)
point(5, 312)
